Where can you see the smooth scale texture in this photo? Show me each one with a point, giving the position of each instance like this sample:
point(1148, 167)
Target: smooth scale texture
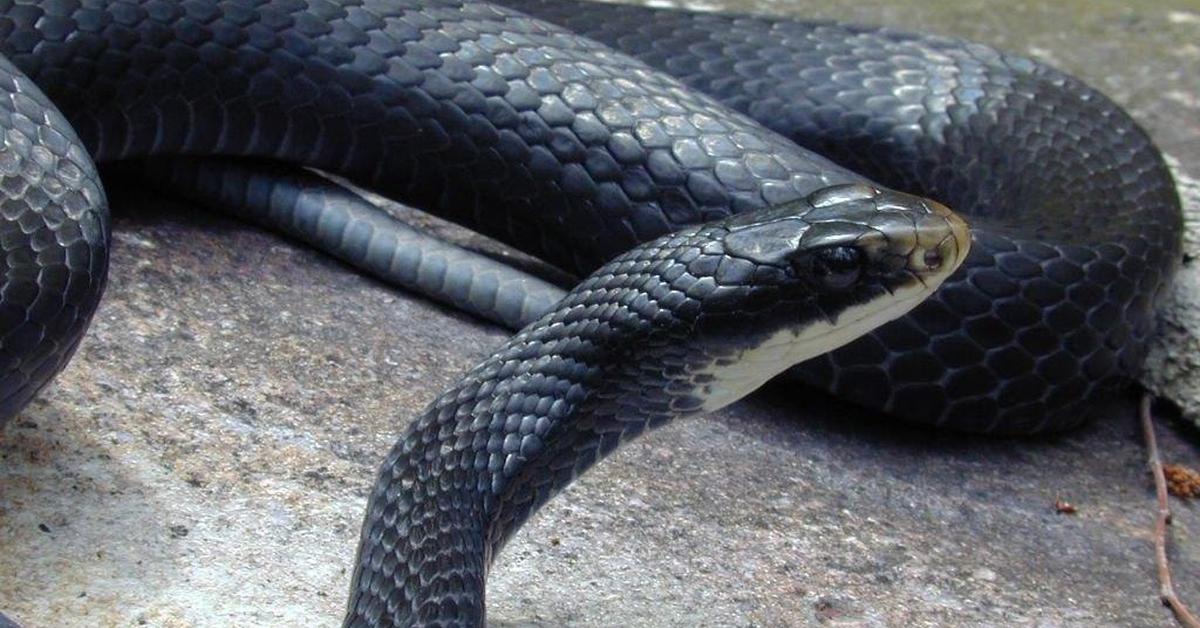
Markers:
point(574, 152)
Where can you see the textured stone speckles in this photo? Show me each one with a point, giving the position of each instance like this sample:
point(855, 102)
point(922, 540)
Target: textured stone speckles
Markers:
point(246, 389)
point(1172, 367)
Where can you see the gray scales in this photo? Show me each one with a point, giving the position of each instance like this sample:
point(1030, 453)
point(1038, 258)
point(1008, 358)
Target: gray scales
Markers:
point(1102, 264)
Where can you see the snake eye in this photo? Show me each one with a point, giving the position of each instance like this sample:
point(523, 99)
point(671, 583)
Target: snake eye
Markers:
point(838, 267)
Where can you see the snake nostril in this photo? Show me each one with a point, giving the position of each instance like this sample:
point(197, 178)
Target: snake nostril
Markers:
point(933, 259)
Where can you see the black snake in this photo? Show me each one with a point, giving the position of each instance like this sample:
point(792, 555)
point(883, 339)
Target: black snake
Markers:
point(738, 253)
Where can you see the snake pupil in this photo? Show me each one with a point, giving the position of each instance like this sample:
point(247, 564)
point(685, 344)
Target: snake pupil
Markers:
point(837, 267)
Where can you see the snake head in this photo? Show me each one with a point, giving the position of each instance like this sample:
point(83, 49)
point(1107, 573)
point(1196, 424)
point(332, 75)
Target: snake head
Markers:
point(785, 284)
point(722, 307)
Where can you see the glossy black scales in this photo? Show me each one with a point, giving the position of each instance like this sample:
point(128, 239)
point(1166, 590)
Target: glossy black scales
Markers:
point(1075, 216)
point(54, 239)
point(573, 152)
point(579, 153)
point(683, 324)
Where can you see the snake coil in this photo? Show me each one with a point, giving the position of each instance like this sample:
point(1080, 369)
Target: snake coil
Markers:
point(536, 132)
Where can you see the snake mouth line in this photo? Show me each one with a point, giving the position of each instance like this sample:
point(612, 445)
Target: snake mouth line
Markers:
point(841, 330)
point(730, 381)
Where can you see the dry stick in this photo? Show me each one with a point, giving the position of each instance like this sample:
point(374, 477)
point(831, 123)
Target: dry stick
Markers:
point(1166, 590)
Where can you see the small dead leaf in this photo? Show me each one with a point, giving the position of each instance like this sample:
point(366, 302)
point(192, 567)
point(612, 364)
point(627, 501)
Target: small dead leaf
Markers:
point(1182, 481)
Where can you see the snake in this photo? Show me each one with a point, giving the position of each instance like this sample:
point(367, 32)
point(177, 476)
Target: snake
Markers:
point(741, 195)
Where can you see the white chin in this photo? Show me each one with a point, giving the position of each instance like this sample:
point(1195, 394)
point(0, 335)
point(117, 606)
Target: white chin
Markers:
point(789, 347)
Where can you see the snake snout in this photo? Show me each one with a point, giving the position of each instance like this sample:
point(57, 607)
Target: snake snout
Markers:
point(940, 242)
point(904, 234)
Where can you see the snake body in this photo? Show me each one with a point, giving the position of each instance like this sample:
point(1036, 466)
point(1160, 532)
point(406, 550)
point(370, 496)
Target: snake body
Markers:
point(564, 148)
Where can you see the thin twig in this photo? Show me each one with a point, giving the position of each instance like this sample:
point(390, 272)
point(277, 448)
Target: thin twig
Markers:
point(1166, 589)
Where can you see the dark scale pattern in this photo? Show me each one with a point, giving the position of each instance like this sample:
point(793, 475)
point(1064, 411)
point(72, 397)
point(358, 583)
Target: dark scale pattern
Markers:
point(569, 388)
point(547, 405)
point(574, 153)
point(564, 148)
point(511, 126)
point(518, 129)
point(54, 238)
point(1075, 216)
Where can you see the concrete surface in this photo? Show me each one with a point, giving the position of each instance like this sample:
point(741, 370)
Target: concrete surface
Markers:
point(204, 460)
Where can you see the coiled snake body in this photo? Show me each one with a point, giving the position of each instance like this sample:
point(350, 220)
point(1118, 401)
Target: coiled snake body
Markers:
point(564, 148)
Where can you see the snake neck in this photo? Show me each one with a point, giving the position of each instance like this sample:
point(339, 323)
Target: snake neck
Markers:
point(490, 452)
point(604, 367)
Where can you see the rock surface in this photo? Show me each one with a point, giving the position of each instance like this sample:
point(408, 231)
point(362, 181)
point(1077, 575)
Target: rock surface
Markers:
point(204, 460)
point(1172, 368)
